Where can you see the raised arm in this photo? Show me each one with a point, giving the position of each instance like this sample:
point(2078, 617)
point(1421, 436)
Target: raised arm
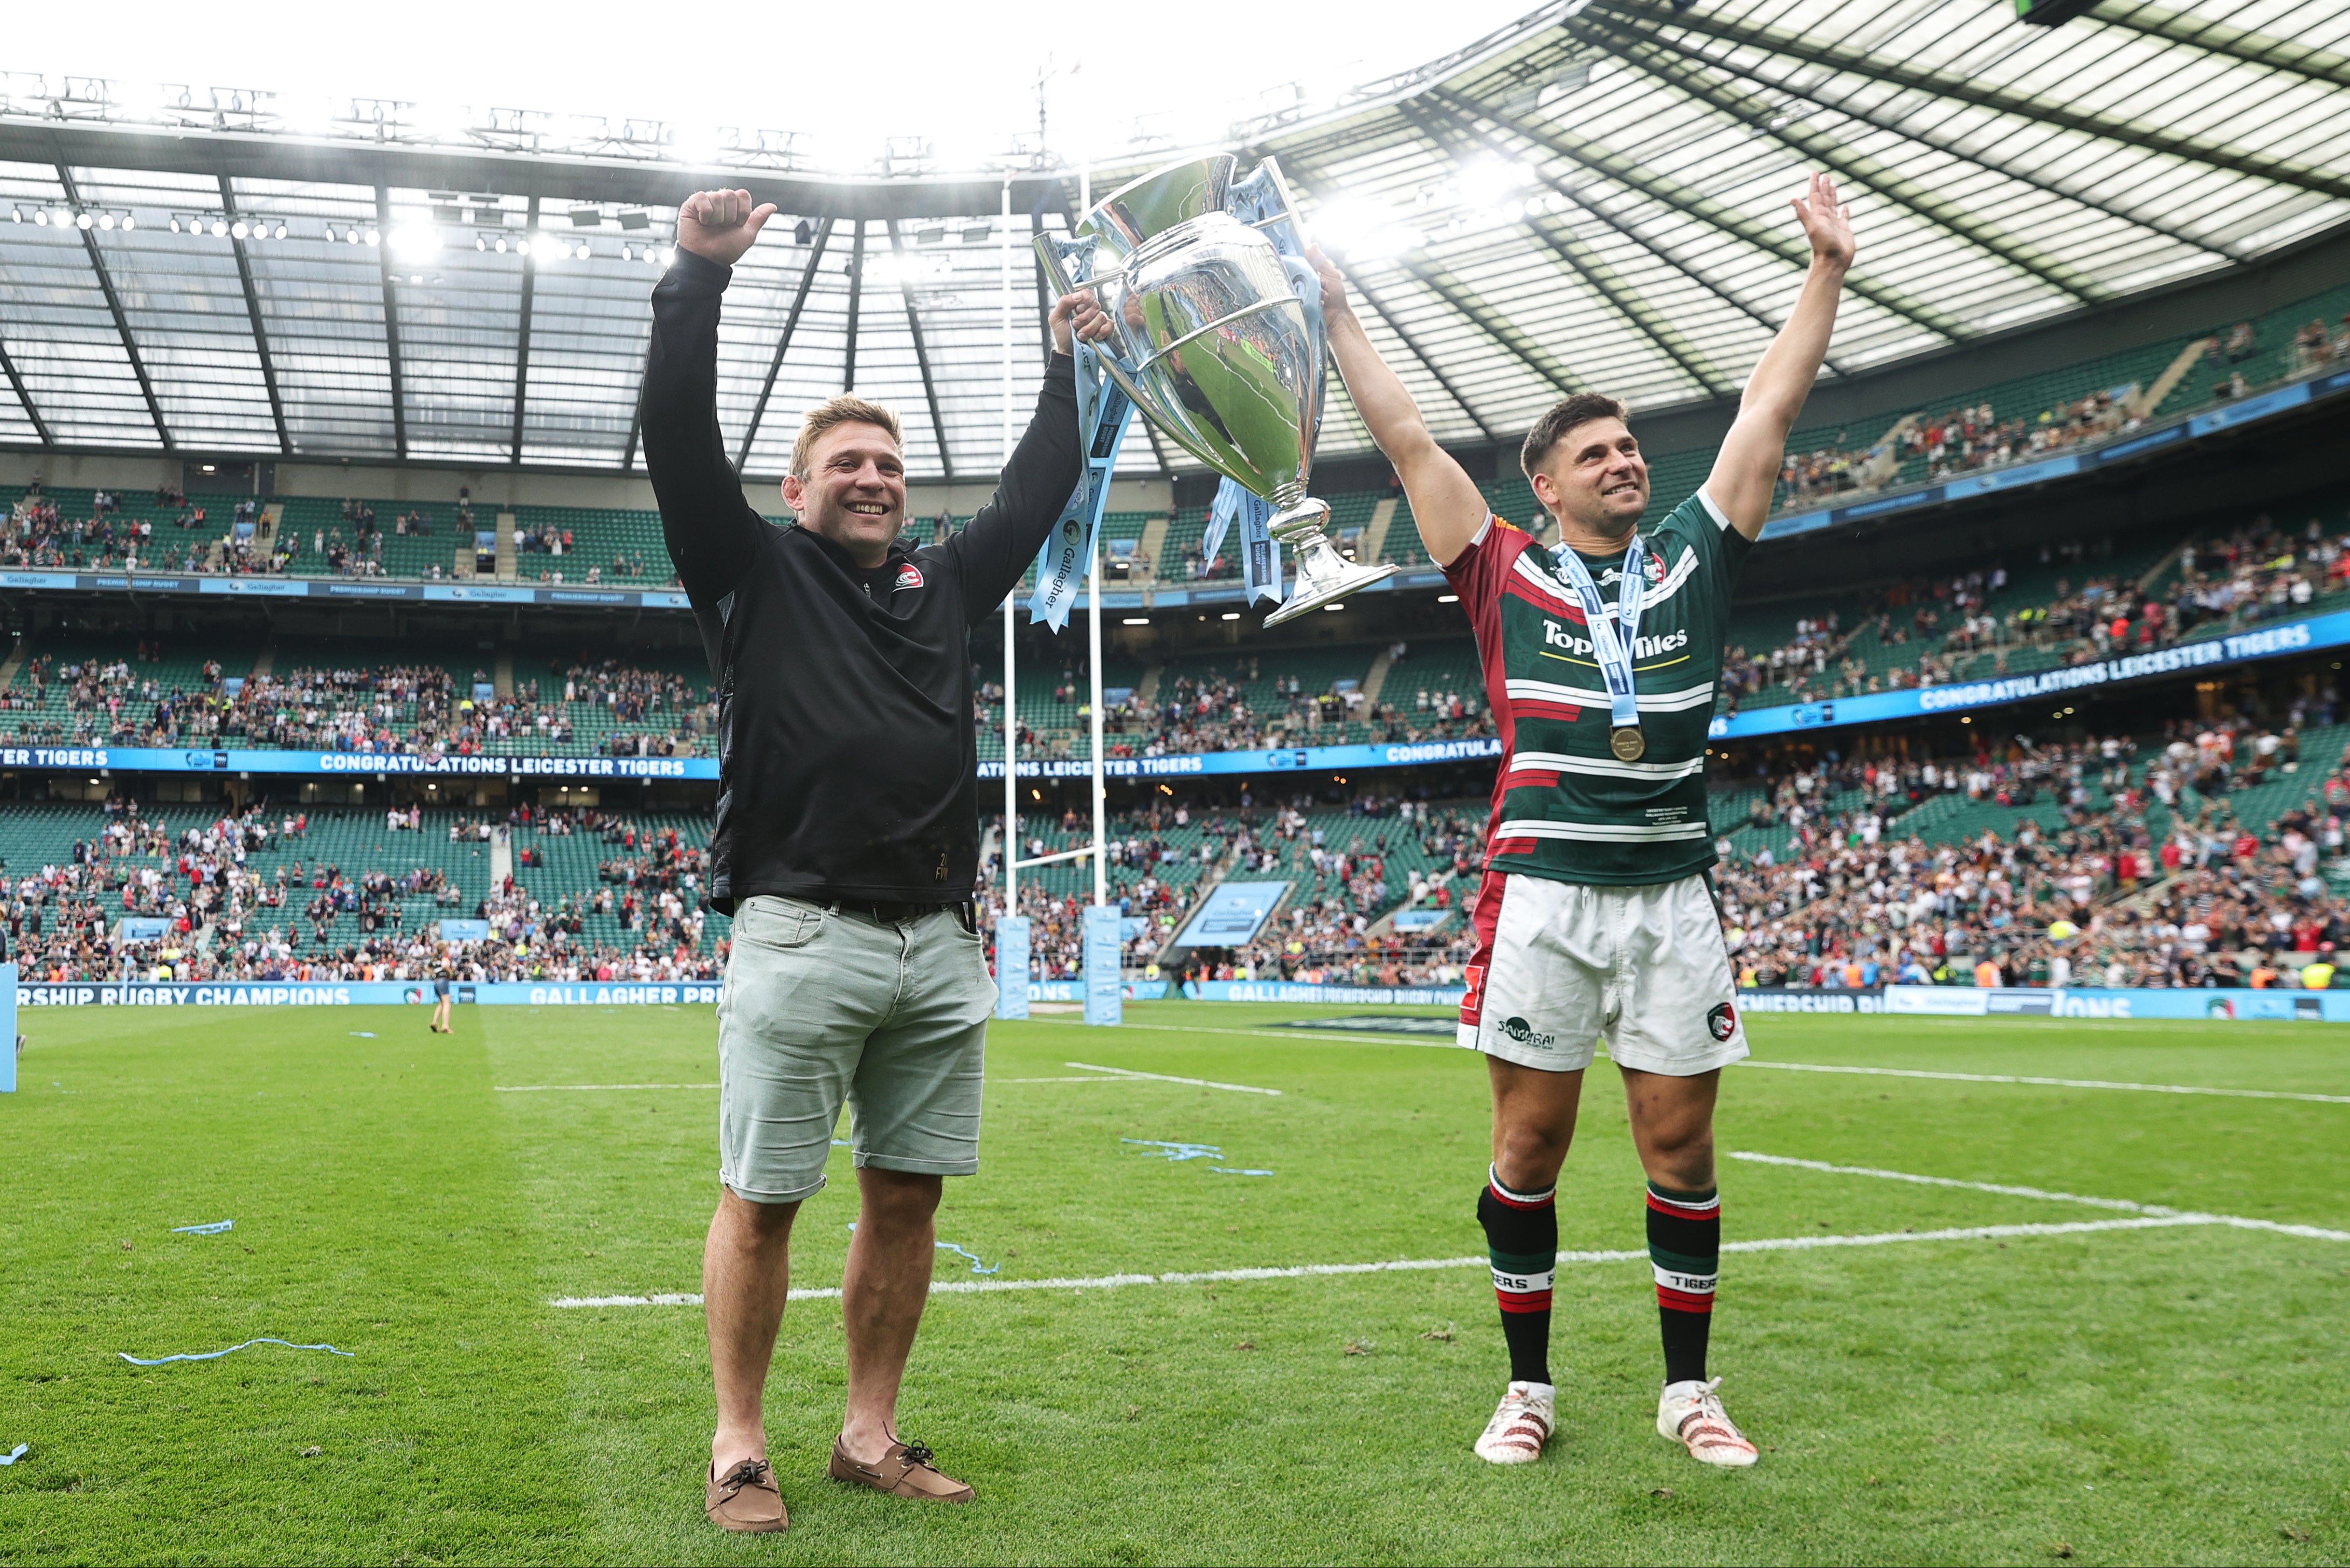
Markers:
point(1746, 471)
point(1445, 502)
point(711, 530)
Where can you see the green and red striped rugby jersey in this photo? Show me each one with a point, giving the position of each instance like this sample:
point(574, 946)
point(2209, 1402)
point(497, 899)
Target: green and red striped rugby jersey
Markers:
point(1563, 806)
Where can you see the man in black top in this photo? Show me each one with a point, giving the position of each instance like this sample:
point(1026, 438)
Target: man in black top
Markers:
point(845, 844)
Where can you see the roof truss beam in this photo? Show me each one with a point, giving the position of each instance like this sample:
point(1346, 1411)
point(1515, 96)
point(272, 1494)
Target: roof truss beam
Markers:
point(1455, 137)
point(2319, 66)
point(391, 321)
point(856, 299)
point(1646, 19)
point(25, 396)
point(1467, 114)
point(782, 347)
point(921, 352)
point(252, 313)
point(114, 308)
point(1646, 182)
point(1388, 316)
point(522, 331)
point(1693, 74)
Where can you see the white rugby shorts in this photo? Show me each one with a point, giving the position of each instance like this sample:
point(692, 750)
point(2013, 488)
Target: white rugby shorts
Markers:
point(1560, 964)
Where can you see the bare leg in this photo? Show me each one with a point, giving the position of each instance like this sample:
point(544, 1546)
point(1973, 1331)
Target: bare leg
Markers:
point(1672, 1126)
point(887, 1285)
point(745, 1275)
point(1533, 1122)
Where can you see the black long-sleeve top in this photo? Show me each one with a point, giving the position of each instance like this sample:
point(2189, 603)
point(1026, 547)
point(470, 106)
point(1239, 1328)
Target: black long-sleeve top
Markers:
point(848, 765)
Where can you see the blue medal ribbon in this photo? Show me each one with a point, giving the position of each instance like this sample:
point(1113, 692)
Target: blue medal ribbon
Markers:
point(1613, 637)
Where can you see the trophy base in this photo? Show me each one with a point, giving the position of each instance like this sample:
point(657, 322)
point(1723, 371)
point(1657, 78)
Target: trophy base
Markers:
point(1322, 582)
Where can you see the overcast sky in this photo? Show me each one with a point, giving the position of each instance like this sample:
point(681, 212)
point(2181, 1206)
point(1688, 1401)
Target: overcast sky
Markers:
point(962, 74)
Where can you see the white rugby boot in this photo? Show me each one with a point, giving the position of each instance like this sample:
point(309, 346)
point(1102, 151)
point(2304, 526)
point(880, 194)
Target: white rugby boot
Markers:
point(1691, 1414)
point(1522, 1423)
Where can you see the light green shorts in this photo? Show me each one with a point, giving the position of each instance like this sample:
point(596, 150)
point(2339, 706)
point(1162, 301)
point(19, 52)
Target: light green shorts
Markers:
point(823, 1006)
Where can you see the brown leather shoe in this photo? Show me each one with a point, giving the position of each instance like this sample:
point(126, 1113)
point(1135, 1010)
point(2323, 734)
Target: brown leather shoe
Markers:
point(906, 1470)
point(747, 1500)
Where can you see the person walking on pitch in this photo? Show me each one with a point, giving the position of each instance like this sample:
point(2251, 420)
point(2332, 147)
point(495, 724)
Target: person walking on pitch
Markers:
point(1596, 916)
point(845, 845)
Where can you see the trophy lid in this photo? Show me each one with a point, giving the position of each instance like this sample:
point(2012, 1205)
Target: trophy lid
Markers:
point(1159, 200)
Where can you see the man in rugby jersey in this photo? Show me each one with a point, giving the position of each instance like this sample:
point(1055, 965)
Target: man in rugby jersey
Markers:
point(1595, 918)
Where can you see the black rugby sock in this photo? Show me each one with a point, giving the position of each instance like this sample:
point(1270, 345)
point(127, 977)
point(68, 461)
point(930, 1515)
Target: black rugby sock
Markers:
point(1685, 1254)
point(1521, 1239)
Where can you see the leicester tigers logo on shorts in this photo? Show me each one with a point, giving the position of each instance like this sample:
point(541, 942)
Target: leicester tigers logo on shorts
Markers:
point(1723, 1022)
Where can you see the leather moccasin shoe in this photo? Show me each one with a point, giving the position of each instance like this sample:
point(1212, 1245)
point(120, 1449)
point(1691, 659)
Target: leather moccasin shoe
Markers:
point(745, 1499)
point(906, 1470)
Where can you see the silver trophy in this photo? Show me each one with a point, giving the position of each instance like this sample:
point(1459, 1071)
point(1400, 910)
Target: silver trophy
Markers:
point(1219, 340)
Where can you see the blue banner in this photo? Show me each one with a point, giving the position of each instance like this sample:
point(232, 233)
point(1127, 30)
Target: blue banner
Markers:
point(363, 764)
point(2237, 1002)
point(7, 1029)
point(2266, 642)
point(1233, 914)
point(1012, 967)
point(1105, 950)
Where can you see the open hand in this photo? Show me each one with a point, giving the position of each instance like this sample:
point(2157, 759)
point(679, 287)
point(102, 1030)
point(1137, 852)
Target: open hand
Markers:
point(720, 226)
point(1079, 315)
point(1334, 283)
point(1827, 225)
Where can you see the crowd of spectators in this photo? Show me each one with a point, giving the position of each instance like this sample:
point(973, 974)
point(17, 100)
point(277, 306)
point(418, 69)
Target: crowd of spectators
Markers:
point(204, 903)
point(2148, 876)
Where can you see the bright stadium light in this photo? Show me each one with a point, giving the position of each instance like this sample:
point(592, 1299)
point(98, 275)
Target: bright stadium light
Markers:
point(220, 228)
point(1363, 229)
point(130, 222)
point(1487, 181)
point(502, 244)
point(374, 238)
point(81, 220)
point(413, 241)
point(277, 233)
point(106, 220)
point(627, 252)
point(40, 215)
point(584, 253)
point(237, 230)
point(479, 244)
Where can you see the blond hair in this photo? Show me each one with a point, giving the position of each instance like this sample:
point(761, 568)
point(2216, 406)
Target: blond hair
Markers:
point(842, 410)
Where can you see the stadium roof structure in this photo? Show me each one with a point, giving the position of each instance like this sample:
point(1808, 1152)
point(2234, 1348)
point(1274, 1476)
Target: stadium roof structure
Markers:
point(1592, 197)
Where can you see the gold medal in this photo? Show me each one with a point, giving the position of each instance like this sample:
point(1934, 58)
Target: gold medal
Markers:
point(1627, 743)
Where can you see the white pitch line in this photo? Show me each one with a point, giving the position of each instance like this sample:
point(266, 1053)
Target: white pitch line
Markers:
point(2155, 1211)
point(543, 1088)
point(1409, 1265)
point(2052, 1082)
point(1072, 1078)
point(1170, 1078)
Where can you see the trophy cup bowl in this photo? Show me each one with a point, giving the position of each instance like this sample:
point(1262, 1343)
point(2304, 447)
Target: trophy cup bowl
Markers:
point(1213, 339)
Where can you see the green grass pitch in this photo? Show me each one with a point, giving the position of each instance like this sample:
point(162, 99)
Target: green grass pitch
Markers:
point(2164, 1394)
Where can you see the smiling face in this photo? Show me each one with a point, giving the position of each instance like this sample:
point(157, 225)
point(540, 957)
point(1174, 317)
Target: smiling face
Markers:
point(854, 490)
point(1594, 480)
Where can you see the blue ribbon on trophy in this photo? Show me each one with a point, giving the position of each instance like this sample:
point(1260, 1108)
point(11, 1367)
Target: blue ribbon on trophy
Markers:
point(1260, 553)
point(1103, 413)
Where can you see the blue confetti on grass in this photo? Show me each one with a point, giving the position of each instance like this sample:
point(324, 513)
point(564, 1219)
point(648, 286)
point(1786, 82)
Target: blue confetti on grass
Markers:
point(1228, 1170)
point(363, 1034)
point(976, 1266)
point(216, 1354)
point(1160, 1149)
point(215, 1228)
point(20, 1451)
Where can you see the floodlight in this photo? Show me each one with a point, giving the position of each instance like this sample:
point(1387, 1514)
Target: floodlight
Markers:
point(584, 252)
point(628, 253)
point(412, 241)
point(128, 223)
point(16, 215)
point(502, 244)
point(106, 220)
point(237, 229)
point(479, 244)
point(220, 228)
point(40, 215)
point(81, 220)
point(277, 234)
point(374, 238)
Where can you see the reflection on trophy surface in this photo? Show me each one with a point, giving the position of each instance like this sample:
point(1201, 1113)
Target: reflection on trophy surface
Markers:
point(1219, 340)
